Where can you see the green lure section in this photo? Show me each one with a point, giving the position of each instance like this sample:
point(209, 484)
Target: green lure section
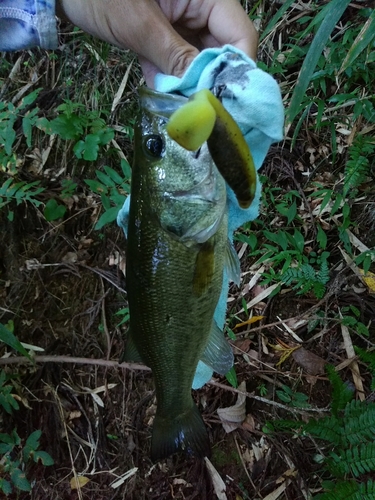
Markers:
point(203, 118)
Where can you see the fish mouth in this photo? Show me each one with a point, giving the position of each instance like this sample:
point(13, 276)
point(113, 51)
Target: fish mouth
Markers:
point(160, 104)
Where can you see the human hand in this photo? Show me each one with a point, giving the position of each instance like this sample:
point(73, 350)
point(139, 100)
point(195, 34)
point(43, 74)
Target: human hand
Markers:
point(166, 34)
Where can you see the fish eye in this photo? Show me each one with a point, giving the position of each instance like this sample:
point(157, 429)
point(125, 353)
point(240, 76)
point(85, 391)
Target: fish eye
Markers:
point(154, 145)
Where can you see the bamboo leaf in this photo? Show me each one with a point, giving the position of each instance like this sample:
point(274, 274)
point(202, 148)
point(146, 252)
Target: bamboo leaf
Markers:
point(335, 9)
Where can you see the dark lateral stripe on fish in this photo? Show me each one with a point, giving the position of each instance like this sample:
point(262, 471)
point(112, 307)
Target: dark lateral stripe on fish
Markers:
point(204, 268)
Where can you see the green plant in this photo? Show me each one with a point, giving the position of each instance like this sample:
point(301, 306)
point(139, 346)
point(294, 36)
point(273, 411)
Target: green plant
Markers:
point(124, 312)
point(369, 358)
point(9, 114)
point(19, 192)
point(113, 190)
point(327, 17)
point(53, 211)
point(306, 278)
point(7, 336)
point(350, 317)
point(292, 398)
point(348, 436)
point(263, 391)
point(16, 457)
point(358, 165)
point(85, 127)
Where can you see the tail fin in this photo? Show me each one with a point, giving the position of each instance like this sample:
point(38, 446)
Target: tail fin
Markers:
point(185, 432)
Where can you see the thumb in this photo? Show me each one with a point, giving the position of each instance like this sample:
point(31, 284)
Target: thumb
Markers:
point(175, 63)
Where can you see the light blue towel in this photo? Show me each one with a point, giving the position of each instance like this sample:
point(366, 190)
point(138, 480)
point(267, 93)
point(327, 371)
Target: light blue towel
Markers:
point(253, 99)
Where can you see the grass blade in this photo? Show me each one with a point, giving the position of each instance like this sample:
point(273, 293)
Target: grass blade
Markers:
point(364, 38)
point(279, 14)
point(334, 11)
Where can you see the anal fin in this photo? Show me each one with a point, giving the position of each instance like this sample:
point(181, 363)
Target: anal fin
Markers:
point(130, 353)
point(218, 354)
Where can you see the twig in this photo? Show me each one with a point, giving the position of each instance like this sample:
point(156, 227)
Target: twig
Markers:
point(21, 360)
point(267, 401)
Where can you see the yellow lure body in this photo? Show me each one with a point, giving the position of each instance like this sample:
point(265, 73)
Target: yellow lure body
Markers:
point(204, 118)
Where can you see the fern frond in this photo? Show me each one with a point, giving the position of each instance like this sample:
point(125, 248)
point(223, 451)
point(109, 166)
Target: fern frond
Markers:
point(330, 429)
point(284, 425)
point(358, 166)
point(359, 423)
point(367, 357)
point(367, 489)
point(356, 460)
point(342, 490)
point(306, 279)
point(20, 191)
point(349, 490)
point(323, 273)
point(341, 393)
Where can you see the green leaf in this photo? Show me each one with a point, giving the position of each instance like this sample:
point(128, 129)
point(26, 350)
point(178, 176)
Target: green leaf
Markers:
point(363, 40)
point(232, 377)
point(95, 186)
point(334, 11)
point(67, 127)
point(5, 486)
point(44, 457)
point(33, 440)
point(126, 168)
point(321, 238)
point(292, 212)
point(11, 340)
point(105, 179)
point(299, 240)
point(19, 480)
point(108, 217)
point(105, 135)
point(29, 99)
point(5, 448)
point(53, 211)
point(362, 329)
point(284, 396)
point(113, 175)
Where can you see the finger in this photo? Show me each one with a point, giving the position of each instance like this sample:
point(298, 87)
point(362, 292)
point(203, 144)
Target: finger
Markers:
point(228, 24)
point(139, 25)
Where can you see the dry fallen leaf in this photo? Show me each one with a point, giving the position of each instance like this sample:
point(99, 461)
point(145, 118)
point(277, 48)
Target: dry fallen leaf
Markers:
point(369, 279)
point(243, 345)
point(217, 482)
point(233, 416)
point(249, 423)
point(78, 482)
point(311, 363)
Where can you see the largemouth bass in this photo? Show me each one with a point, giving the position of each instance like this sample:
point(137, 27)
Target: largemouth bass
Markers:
point(176, 251)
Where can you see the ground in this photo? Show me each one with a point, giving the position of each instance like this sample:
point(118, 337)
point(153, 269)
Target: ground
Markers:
point(62, 283)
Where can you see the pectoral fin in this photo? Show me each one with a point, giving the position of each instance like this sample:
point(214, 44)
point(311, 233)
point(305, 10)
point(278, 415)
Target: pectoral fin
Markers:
point(232, 264)
point(218, 353)
point(130, 353)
